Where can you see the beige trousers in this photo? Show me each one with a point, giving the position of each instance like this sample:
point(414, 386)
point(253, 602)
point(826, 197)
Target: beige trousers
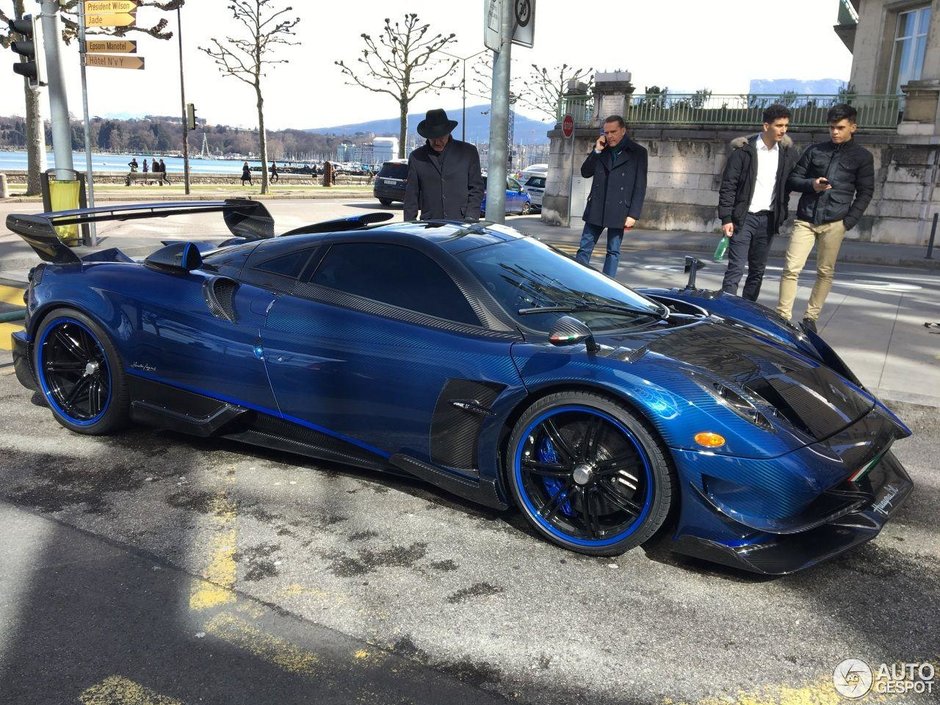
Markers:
point(828, 238)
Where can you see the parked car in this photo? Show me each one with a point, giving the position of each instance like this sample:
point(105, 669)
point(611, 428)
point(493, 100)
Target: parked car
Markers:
point(389, 183)
point(533, 170)
point(535, 187)
point(517, 200)
point(481, 361)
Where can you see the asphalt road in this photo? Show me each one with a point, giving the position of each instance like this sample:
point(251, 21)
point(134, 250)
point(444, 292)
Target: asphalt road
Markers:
point(153, 568)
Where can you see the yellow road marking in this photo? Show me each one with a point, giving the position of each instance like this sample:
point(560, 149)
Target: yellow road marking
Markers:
point(6, 330)
point(822, 692)
point(221, 571)
point(283, 654)
point(117, 690)
point(11, 295)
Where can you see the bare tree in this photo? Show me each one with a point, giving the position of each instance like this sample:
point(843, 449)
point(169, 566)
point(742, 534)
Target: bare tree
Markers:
point(264, 29)
point(402, 63)
point(35, 133)
point(547, 85)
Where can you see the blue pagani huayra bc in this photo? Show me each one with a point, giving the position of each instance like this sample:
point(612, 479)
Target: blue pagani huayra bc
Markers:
point(481, 361)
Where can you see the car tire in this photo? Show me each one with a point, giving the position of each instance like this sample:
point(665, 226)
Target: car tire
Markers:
point(589, 474)
point(526, 208)
point(80, 374)
point(385, 202)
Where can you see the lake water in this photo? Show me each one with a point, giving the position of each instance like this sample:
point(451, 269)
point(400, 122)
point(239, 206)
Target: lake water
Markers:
point(118, 163)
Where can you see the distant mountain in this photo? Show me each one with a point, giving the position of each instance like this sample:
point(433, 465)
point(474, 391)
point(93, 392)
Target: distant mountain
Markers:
point(779, 86)
point(525, 130)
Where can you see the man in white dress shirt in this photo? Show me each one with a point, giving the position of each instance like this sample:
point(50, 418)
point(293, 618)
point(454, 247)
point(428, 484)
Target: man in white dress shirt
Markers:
point(753, 199)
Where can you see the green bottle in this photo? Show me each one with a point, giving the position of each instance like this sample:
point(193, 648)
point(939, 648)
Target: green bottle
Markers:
point(721, 251)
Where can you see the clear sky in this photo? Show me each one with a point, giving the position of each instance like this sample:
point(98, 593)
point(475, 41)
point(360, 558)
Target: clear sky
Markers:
point(720, 45)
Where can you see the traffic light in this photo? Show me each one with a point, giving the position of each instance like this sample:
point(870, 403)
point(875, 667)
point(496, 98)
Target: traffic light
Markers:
point(191, 116)
point(30, 48)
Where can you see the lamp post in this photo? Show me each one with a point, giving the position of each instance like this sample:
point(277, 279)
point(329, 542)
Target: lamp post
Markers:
point(463, 84)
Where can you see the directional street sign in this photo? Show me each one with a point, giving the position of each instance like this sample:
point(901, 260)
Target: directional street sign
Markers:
point(110, 13)
point(113, 19)
point(108, 61)
point(110, 5)
point(111, 46)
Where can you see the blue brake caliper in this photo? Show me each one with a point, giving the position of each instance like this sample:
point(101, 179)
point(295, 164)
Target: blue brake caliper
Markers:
point(546, 453)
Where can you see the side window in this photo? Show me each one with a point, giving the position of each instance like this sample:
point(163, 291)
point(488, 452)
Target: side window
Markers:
point(394, 275)
point(289, 265)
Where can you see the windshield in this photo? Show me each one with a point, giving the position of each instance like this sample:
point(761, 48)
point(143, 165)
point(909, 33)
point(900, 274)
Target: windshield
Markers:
point(524, 275)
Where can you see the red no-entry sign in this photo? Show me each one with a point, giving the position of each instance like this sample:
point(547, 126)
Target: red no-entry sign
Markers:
point(567, 126)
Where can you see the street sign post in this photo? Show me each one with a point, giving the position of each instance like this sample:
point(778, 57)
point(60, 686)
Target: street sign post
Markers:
point(109, 61)
point(111, 46)
point(523, 23)
point(567, 126)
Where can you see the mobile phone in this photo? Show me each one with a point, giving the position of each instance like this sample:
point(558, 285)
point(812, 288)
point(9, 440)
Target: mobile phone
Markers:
point(604, 140)
point(823, 180)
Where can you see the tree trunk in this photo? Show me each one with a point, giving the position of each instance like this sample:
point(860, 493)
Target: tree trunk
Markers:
point(35, 141)
point(262, 138)
point(402, 127)
point(35, 135)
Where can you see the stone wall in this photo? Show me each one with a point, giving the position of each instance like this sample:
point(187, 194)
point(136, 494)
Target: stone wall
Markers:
point(685, 170)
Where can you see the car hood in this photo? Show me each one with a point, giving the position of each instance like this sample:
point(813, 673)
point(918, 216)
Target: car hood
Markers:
point(811, 396)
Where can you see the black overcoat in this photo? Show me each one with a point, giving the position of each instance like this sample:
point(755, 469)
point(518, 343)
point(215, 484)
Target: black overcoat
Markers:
point(619, 186)
point(449, 186)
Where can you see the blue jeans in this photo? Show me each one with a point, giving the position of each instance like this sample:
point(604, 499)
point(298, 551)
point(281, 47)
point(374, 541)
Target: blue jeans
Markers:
point(589, 239)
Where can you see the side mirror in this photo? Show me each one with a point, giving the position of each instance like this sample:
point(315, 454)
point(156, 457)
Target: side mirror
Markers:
point(568, 330)
point(179, 256)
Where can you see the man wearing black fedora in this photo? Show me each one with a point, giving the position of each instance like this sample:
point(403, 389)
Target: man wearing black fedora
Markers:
point(444, 178)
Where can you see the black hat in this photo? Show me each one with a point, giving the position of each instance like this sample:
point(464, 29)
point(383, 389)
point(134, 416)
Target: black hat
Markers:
point(436, 124)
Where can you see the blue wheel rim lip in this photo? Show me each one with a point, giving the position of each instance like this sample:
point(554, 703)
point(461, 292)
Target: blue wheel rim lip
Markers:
point(548, 526)
point(47, 393)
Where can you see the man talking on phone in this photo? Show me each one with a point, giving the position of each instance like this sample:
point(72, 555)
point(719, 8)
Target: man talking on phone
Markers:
point(618, 166)
point(837, 180)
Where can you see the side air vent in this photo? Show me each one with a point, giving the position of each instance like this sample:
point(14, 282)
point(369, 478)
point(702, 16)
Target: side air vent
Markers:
point(219, 293)
point(461, 408)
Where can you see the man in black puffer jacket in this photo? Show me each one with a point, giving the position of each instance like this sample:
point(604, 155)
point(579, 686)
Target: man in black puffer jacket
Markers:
point(837, 180)
point(753, 199)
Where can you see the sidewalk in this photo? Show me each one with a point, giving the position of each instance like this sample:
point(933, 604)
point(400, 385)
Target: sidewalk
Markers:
point(703, 244)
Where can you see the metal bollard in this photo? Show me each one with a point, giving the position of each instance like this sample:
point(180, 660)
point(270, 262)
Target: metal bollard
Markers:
point(4, 193)
point(933, 234)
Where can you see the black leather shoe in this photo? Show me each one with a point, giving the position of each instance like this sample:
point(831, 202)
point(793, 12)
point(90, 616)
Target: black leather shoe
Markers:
point(809, 324)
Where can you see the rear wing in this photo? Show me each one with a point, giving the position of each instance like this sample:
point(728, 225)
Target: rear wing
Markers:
point(244, 218)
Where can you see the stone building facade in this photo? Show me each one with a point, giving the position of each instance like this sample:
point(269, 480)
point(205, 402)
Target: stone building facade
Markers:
point(896, 46)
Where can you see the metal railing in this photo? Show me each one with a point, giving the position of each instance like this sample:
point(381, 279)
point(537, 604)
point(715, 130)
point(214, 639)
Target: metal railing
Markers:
point(875, 112)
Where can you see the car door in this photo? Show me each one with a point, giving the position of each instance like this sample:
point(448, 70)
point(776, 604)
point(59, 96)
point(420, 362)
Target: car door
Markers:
point(365, 349)
point(514, 196)
point(198, 332)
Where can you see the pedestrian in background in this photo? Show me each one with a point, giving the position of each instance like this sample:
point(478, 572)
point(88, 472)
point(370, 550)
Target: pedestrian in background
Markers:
point(145, 168)
point(444, 178)
point(163, 176)
point(837, 180)
point(133, 165)
point(274, 174)
point(753, 199)
point(246, 174)
point(618, 167)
